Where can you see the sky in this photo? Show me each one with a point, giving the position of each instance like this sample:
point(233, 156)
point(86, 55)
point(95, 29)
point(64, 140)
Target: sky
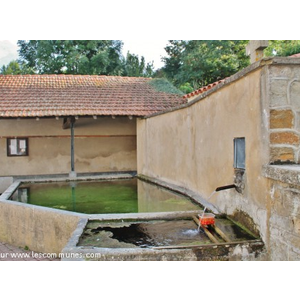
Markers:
point(152, 50)
point(8, 51)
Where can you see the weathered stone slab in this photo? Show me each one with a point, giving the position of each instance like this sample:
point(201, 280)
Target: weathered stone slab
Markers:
point(288, 137)
point(294, 94)
point(281, 154)
point(278, 92)
point(289, 174)
point(281, 118)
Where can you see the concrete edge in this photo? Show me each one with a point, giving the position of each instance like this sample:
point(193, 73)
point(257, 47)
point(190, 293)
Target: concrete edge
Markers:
point(181, 190)
point(144, 216)
point(289, 174)
point(10, 190)
point(225, 251)
point(74, 239)
point(84, 177)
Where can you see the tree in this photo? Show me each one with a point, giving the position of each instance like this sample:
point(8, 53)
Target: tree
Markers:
point(72, 56)
point(282, 48)
point(12, 68)
point(15, 68)
point(175, 50)
point(135, 67)
point(195, 63)
point(94, 57)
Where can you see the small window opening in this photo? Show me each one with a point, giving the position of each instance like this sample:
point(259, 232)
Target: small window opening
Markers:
point(17, 147)
point(239, 153)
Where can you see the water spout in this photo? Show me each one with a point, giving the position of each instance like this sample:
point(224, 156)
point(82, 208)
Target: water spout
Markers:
point(225, 187)
point(220, 188)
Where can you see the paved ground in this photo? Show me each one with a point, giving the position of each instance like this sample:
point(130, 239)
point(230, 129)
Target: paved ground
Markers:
point(12, 253)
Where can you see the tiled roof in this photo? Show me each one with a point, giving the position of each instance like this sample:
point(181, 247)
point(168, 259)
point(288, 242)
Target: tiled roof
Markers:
point(295, 55)
point(203, 89)
point(81, 95)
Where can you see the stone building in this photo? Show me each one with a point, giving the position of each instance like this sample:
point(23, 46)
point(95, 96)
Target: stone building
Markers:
point(244, 130)
point(38, 113)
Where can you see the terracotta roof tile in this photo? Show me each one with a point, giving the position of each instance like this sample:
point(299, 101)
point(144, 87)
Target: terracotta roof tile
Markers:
point(203, 89)
point(61, 95)
point(295, 55)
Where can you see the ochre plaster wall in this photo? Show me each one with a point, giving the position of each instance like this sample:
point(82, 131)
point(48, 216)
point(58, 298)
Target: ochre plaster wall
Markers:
point(193, 147)
point(101, 145)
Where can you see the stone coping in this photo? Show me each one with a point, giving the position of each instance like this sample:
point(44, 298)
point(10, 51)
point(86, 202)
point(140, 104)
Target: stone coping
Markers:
point(80, 176)
point(285, 173)
point(182, 190)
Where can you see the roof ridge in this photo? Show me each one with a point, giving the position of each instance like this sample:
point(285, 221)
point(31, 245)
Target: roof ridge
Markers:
point(75, 75)
point(295, 55)
point(204, 88)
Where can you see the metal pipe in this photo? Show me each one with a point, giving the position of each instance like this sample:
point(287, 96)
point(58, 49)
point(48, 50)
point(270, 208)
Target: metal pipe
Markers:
point(72, 144)
point(225, 187)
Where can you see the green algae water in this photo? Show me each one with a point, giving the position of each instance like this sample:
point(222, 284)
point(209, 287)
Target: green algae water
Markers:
point(103, 197)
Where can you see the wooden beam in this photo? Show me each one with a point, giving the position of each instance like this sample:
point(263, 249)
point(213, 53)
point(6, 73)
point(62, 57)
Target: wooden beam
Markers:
point(68, 136)
point(209, 234)
point(196, 220)
point(221, 233)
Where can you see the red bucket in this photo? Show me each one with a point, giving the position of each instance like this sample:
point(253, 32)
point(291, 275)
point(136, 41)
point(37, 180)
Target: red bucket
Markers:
point(207, 219)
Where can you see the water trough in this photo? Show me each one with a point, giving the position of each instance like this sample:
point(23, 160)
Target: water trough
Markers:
point(169, 235)
point(159, 236)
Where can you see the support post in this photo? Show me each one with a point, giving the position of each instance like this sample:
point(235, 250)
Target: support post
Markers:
point(72, 173)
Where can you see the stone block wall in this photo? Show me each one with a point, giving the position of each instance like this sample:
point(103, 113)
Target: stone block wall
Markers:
point(284, 114)
point(284, 216)
point(285, 222)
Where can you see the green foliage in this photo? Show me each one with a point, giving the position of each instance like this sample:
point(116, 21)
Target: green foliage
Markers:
point(196, 63)
point(135, 67)
point(282, 48)
point(186, 88)
point(163, 85)
point(189, 64)
point(174, 62)
point(14, 68)
point(72, 56)
point(94, 57)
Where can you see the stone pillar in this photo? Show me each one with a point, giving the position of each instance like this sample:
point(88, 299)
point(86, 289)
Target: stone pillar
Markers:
point(255, 49)
point(284, 136)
